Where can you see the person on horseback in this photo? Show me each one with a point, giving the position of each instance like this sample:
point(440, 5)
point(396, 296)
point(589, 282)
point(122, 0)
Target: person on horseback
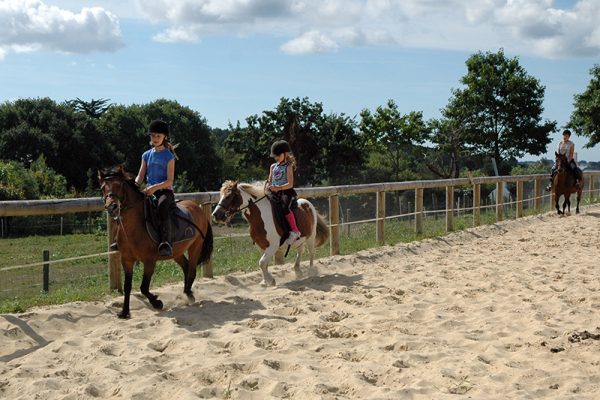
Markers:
point(281, 183)
point(567, 148)
point(158, 168)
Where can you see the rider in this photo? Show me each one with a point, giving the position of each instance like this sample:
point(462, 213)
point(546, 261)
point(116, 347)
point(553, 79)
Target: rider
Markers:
point(158, 167)
point(566, 148)
point(281, 182)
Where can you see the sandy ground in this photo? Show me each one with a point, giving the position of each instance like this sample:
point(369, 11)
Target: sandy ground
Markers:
point(496, 312)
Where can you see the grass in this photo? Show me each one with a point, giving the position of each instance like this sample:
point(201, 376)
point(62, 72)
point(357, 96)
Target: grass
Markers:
point(87, 280)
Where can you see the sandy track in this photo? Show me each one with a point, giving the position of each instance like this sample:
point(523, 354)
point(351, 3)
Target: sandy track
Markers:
point(491, 312)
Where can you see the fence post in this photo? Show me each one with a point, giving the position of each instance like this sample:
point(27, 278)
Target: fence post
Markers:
point(380, 234)
point(207, 268)
point(449, 208)
point(419, 211)
point(592, 188)
point(476, 204)
point(334, 221)
point(537, 203)
point(519, 199)
point(46, 271)
point(114, 267)
point(499, 200)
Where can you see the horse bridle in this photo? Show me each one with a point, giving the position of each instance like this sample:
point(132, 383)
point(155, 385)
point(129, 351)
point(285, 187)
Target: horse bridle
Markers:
point(230, 213)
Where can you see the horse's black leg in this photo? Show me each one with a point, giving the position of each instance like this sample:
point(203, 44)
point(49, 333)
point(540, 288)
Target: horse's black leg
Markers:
point(557, 206)
point(145, 289)
point(189, 274)
point(126, 294)
point(578, 198)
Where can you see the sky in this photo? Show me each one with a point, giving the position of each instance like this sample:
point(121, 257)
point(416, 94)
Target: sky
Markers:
point(229, 59)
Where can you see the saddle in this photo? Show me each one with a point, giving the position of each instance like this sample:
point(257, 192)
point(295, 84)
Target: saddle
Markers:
point(181, 222)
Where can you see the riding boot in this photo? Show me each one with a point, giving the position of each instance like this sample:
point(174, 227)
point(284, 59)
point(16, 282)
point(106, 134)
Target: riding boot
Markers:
point(549, 187)
point(165, 247)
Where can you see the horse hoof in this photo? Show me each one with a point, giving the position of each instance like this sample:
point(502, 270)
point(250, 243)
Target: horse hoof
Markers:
point(124, 315)
point(158, 304)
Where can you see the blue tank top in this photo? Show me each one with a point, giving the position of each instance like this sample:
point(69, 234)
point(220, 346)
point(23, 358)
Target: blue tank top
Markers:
point(279, 177)
point(156, 162)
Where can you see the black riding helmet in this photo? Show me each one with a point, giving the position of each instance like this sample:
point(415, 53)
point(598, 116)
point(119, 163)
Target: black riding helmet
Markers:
point(158, 126)
point(280, 146)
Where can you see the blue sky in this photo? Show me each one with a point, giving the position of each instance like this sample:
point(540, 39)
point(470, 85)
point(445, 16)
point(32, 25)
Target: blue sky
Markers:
point(228, 59)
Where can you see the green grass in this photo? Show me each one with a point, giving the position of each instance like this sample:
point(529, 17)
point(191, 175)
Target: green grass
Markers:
point(87, 280)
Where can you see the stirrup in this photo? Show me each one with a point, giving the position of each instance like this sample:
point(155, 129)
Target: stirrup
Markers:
point(165, 249)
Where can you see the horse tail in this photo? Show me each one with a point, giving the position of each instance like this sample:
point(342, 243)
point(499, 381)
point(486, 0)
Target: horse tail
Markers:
point(207, 246)
point(322, 231)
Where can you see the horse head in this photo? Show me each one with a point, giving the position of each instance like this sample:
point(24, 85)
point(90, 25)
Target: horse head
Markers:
point(115, 184)
point(230, 202)
point(561, 162)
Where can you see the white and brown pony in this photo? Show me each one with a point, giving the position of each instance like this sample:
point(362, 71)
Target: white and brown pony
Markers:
point(268, 235)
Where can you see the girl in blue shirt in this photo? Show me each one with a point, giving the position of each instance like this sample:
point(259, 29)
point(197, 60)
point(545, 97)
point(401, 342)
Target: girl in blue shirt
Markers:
point(158, 168)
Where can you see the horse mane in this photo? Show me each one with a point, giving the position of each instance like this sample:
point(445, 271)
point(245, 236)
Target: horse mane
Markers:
point(119, 173)
point(256, 189)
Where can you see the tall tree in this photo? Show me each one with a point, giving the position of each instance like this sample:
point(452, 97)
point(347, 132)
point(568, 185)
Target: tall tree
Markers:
point(585, 119)
point(500, 108)
point(69, 140)
point(325, 146)
point(446, 158)
point(395, 135)
point(93, 108)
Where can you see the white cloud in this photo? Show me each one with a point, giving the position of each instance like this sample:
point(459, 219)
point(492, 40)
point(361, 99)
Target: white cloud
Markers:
point(310, 42)
point(537, 27)
point(30, 25)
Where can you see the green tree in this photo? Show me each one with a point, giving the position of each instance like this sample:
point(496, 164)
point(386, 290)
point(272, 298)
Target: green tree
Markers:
point(447, 156)
point(93, 108)
point(396, 136)
point(585, 118)
point(500, 108)
point(325, 146)
point(68, 140)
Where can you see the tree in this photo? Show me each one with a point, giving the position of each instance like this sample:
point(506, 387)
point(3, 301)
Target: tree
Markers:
point(93, 108)
point(446, 158)
point(68, 140)
point(325, 146)
point(395, 135)
point(585, 119)
point(500, 108)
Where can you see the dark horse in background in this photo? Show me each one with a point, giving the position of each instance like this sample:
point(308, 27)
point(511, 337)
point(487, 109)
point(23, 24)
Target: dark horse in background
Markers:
point(564, 183)
point(124, 201)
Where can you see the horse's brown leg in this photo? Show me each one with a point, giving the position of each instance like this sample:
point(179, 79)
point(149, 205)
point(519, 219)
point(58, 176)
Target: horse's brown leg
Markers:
point(145, 286)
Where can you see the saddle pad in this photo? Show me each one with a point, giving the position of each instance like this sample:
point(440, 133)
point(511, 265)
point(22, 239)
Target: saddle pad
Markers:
point(182, 230)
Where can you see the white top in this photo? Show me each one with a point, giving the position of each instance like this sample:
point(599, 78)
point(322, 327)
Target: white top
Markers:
point(564, 148)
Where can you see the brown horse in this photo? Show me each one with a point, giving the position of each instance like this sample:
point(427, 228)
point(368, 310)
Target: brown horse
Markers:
point(124, 202)
point(265, 230)
point(564, 183)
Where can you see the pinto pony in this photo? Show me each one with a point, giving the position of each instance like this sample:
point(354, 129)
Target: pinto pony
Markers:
point(266, 232)
point(564, 184)
point(124, 202)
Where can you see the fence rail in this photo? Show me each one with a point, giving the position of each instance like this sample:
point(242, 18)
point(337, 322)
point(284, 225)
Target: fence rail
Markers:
point(207, 199)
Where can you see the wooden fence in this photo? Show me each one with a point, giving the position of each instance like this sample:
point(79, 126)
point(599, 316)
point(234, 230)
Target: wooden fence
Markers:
point(207, 199)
